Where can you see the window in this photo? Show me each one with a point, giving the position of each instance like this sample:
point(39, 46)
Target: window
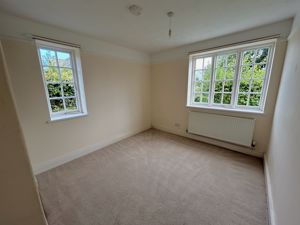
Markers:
point(62, 76)
point(234, 78)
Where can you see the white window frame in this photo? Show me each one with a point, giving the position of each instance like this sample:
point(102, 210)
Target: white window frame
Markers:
point(77, 77)
point(238, 49)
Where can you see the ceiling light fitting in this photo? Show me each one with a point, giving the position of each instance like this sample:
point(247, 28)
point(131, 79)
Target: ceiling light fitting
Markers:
point(135, 10)
point(170, 14)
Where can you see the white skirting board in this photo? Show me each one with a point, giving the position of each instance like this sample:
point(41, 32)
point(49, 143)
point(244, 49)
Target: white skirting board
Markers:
point(272, 218)
point(52, 163)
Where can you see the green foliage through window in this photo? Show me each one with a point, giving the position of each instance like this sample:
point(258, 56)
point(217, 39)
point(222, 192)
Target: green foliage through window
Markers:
point(58, 73)
point(225, 73)
point(252, 76)
point(202, 79)
point(235, 78)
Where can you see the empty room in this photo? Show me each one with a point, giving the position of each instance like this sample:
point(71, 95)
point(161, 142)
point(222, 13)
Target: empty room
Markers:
point(139, 112)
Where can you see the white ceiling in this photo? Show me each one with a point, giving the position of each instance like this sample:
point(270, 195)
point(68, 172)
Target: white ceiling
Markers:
point(194, 20)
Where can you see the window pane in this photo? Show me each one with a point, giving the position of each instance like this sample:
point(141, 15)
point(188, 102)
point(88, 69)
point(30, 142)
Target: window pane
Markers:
point(48, 57)
point(198, 75)
point(226, 98)
point(228, 86)
point(51, 73)
point(71, 103)
point(62, 79)
point(221, 69)
point(66, 74)
point(206, 75)
point(259, 71)
point(218, 86)
point(244, 86)
point(207, 62)
point(231, 60)
point(57, 105)
point(221, 61)
point(199, 64)
point(246, 72)
point(262, 55)
point(69, 90)
point(217, 98)
point(205, 97)
point(206, 86)
point(197, 97)
point(230, 73)
point(248, 57)
point(256, 85)
point(242, 99)
point(64, 59)
point(220, 73)
point(54, 90)
point(198, 86)
point(254, 99)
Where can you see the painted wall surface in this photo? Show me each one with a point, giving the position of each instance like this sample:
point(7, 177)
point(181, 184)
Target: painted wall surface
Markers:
point(117, 93)
point(19, 202)
point(20, 28)
point(283, 157)
point(169, 74)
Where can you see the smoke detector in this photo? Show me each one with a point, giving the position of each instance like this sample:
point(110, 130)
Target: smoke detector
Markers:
point(135, 10)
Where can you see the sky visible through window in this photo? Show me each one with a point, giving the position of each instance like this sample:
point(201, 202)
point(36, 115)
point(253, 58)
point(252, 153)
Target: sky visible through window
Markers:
point(59, 78)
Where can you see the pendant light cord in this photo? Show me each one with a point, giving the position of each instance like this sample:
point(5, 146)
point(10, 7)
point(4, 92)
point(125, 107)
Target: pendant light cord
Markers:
point(170, 15)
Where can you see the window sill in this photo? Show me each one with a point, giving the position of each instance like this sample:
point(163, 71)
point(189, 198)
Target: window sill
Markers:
point(66, 117)
point(214, 108)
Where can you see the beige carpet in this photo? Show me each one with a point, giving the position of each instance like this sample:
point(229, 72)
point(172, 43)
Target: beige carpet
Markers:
point(155, 178)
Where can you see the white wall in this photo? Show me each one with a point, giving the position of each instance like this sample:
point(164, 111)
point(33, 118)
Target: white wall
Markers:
point(282, 161)
point(117, 90)
point(19, 201)
point(169, 74)
point(283, 28)
point(19, 28)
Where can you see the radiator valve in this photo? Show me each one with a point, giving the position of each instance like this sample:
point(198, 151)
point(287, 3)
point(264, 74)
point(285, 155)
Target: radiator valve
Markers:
point(253, 144)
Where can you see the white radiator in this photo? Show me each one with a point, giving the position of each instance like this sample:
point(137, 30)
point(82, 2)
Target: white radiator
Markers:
point(226, 128)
